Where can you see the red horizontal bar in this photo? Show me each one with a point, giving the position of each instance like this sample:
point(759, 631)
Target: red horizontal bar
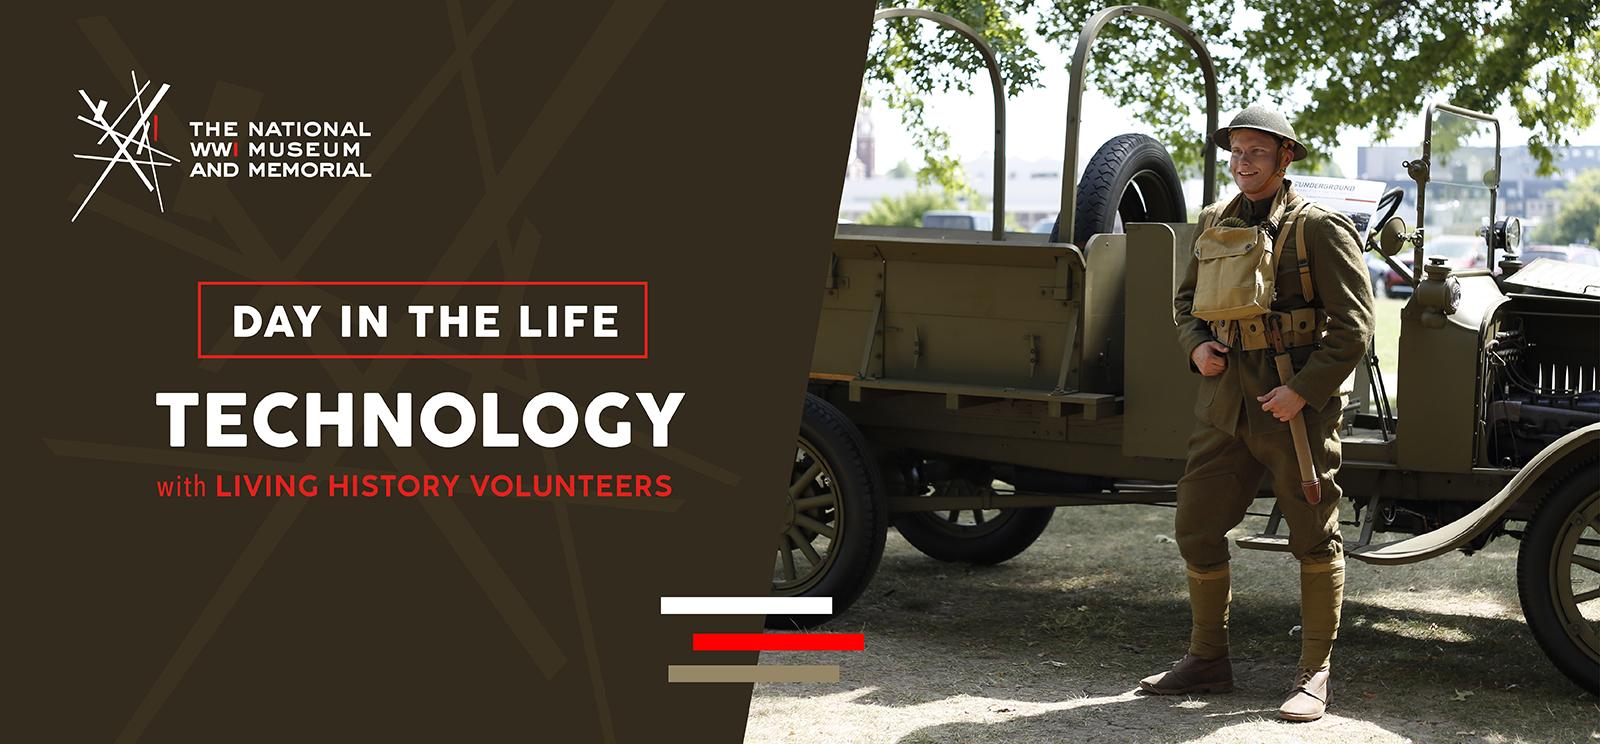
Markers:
point(779, 641)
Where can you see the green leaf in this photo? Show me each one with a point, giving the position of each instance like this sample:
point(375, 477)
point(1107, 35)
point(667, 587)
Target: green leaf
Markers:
point(1341, 64)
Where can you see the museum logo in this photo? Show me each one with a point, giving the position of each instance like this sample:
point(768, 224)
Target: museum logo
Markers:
point(132, 143)
point(295, 148)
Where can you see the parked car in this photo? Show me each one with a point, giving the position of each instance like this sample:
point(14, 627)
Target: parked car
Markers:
point(1578, 254)
point(1377, 270)
point(1460, 252)
point(958, 219)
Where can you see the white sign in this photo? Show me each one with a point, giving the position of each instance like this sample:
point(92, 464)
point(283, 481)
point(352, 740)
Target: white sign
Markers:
point(1357, 198)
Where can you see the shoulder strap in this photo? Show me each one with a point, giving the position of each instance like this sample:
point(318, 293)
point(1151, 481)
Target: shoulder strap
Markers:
point(1209, 217)
point(1303, 255)
point(1283, 231)
point(1297, 217)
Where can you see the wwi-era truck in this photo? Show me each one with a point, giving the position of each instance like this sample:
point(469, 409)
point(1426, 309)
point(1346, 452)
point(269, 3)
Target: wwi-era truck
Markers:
point(965, 384)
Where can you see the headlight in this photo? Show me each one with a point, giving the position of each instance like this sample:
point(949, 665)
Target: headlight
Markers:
point(1507, 235)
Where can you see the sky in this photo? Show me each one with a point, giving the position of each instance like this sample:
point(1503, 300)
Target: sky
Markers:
point(1036, 120)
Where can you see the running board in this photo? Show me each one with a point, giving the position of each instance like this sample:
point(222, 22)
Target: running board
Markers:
point(1456, 534)
point(1377, 553)
point(1272, 541)
point(1280, 544)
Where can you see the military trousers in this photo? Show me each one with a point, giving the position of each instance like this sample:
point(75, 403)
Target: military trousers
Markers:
point(1223, 476)
point(1221, 479)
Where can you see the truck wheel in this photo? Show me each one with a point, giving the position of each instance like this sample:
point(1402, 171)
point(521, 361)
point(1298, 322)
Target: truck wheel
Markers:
point(1558, 576)
point(982, 536)
point(835, 517)
point(1131, 178)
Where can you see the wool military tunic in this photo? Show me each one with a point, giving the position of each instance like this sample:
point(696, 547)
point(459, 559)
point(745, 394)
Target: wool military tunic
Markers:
point(1343, 292)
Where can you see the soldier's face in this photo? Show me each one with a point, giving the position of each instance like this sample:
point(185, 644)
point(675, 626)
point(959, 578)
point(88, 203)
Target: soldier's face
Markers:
point(1256, 160)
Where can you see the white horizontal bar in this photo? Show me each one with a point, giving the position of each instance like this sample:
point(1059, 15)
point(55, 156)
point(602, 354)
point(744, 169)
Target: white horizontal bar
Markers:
point(747, 605)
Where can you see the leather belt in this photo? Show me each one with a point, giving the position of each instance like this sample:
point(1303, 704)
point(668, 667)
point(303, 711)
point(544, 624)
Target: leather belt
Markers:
point(1303, 327)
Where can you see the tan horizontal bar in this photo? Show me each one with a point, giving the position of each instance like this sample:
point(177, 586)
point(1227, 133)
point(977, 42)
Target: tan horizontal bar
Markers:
point(752, 673)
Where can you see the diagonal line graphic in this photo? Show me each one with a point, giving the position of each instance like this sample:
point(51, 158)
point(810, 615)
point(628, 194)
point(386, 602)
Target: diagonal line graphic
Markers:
point(138, 92)
point(112, 164)
point(144, 142)
point(137, 131)
point(151, 163)
point(126, 139)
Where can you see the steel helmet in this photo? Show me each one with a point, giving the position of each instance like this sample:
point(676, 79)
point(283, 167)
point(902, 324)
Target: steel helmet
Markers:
point(1258, 116)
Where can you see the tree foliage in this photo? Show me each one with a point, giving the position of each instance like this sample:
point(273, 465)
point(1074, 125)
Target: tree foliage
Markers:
point(1579, 218)
point(1331, 65)
point(907, 209)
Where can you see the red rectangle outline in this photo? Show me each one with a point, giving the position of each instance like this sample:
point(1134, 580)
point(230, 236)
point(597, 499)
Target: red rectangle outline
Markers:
point(778, 642)
point(200, 286)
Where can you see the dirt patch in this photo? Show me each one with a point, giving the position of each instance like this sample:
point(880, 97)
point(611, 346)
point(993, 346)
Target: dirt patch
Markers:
point(1051, 645)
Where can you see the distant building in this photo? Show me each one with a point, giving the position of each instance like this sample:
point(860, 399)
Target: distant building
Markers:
point(863, 147)
point(1033, 189)
point(1523, 193)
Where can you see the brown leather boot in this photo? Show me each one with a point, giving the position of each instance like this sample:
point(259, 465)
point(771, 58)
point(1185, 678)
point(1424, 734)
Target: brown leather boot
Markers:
point(1309, 699)
point(1191, 674)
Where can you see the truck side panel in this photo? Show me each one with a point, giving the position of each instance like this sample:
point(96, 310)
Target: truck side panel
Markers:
point(1159, 407)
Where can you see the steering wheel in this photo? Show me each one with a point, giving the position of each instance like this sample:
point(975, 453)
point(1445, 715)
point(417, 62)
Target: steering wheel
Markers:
point(1388, 205)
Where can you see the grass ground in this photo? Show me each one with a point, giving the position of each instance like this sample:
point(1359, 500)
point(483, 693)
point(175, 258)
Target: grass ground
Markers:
point(1386, 334)
point(1051, 645)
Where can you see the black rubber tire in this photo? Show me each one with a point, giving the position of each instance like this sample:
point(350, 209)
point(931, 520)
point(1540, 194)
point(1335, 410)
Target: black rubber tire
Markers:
point(1545, 604)
point(855, 555)
point(1130, 176)
point(998, 540)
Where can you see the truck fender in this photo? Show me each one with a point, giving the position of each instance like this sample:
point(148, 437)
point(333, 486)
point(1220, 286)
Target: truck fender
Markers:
point(1553, 462)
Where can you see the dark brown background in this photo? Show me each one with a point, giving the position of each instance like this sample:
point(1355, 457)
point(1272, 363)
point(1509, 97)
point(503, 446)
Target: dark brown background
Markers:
point(698, 145)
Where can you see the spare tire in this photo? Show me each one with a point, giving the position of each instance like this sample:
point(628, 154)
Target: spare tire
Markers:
point(1131, 178)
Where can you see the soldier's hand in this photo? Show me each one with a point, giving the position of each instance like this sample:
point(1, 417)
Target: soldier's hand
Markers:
point(1282, 403)
point(1210, 357)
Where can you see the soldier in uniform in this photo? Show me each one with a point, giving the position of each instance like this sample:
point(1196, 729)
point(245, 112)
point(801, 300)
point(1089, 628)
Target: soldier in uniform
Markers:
point(1243, 434)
